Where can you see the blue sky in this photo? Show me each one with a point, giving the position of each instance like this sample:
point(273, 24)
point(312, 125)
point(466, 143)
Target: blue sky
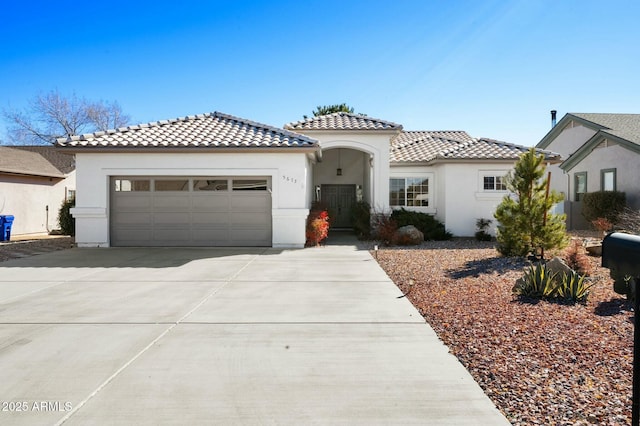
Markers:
point(493, 68)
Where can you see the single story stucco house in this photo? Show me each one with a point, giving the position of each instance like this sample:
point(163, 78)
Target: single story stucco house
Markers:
point(600, 152)
point(34, 181)
point(219, 180)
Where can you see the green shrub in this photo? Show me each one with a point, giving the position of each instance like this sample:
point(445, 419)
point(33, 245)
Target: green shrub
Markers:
point(603, 204)
point(481, 226)
point(538, 282)
point(573, 288)
point(427, 224)
point(361, 219)
point(66, 221)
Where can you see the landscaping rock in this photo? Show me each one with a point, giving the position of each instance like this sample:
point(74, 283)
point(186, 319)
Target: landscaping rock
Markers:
point(558, 267)
point(408, 235)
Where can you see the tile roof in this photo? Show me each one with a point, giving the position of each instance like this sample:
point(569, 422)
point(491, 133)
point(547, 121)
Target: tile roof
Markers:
point(62, 161)
point(342, 121)
point(211, 130)
point(424, 147)
point(625, 126)
point(15, 160)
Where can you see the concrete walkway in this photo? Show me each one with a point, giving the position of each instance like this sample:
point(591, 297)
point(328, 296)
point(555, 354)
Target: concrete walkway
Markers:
point(222, 336)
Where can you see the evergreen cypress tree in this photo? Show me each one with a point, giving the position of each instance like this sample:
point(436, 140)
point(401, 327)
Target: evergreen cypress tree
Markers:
point(522, 229)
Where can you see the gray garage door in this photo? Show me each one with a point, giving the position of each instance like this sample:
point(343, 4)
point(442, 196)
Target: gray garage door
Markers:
point(190, 211)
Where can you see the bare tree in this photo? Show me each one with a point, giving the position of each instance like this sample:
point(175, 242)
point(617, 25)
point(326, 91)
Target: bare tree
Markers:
point(51, 116)
point(107, 115)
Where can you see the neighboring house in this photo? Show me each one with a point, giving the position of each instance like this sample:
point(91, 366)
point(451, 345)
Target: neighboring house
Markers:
point(219, 180)
point(34, 181)
point(600, 152)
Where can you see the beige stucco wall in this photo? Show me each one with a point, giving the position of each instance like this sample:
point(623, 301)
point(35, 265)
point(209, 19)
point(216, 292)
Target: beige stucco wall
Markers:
point(28, 197)
point(612, 156)
point(572, 137)
point(289, 174)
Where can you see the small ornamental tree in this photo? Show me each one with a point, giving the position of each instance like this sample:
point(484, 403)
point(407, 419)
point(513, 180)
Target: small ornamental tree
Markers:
point(526, 224)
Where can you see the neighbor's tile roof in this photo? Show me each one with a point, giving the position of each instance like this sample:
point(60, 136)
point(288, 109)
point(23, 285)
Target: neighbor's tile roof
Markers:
point(424, 147)
point(211, 130)
point(23, 162)
point(625, 126)
point(342, 121)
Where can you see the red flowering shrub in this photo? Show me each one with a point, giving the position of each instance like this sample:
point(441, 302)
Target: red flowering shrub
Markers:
point(317, 227)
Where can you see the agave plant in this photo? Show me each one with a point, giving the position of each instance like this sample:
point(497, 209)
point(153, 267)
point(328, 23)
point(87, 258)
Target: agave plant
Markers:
point(538, 281)
point(574, 288)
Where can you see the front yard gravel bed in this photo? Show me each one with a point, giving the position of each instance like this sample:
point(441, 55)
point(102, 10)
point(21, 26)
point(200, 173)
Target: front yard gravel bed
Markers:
point(541, 363)
point(18, 249)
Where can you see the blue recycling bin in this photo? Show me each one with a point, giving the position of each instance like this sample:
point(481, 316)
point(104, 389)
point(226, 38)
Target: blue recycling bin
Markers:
point(5, 227)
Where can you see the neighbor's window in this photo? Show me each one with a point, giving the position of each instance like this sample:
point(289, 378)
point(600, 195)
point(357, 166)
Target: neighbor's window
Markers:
point(172, 185)
point(580, 185)
point(608, 179)
point(249, 184)
point(494, 183)
point(132, 185)
point(210, 185)
point(409, 192)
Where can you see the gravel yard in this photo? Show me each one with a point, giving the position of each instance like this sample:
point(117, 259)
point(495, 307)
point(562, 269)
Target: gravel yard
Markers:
point(18, 249)
point(540, 362)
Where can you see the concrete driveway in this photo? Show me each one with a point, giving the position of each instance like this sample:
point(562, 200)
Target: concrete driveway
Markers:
point(222, 336)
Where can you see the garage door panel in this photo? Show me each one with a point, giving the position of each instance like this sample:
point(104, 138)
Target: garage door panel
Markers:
point(211, 218)
point(190, 217)
point(132, 218)
point(172, 236)
point(251, 203)
point(252, 219)
point(171, 218)
point(172, 202)
point(132, 201)
point(212, 203)
point(127, 236)
point(211, 235)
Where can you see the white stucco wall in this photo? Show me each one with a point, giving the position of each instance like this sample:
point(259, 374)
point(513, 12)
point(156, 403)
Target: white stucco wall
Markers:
point(27, 199)
point(466, 199)
point(458, 198)
point(288, 171)
point(362, 146)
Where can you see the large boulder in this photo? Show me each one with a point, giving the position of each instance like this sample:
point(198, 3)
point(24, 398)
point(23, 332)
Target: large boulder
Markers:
point(558, 267)
point(408, 236)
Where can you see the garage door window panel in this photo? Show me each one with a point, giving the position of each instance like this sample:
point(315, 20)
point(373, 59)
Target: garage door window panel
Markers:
point(172, 185)
point(210, 185)
point(132, 185)
point(249, 184)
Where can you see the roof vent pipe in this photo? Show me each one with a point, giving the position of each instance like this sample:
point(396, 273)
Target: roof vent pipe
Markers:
point(553, 118)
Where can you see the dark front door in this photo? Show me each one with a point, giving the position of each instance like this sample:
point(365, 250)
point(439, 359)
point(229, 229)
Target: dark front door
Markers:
point(339, 199)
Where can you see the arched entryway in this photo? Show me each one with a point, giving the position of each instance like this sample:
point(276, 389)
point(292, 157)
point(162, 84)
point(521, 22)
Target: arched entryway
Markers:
point(343, 178)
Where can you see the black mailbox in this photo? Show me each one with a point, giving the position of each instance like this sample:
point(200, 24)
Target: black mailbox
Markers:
point(621, 254)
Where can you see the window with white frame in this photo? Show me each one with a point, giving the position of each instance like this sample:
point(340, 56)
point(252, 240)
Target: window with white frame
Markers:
point(494, 183)
point(409, 192)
